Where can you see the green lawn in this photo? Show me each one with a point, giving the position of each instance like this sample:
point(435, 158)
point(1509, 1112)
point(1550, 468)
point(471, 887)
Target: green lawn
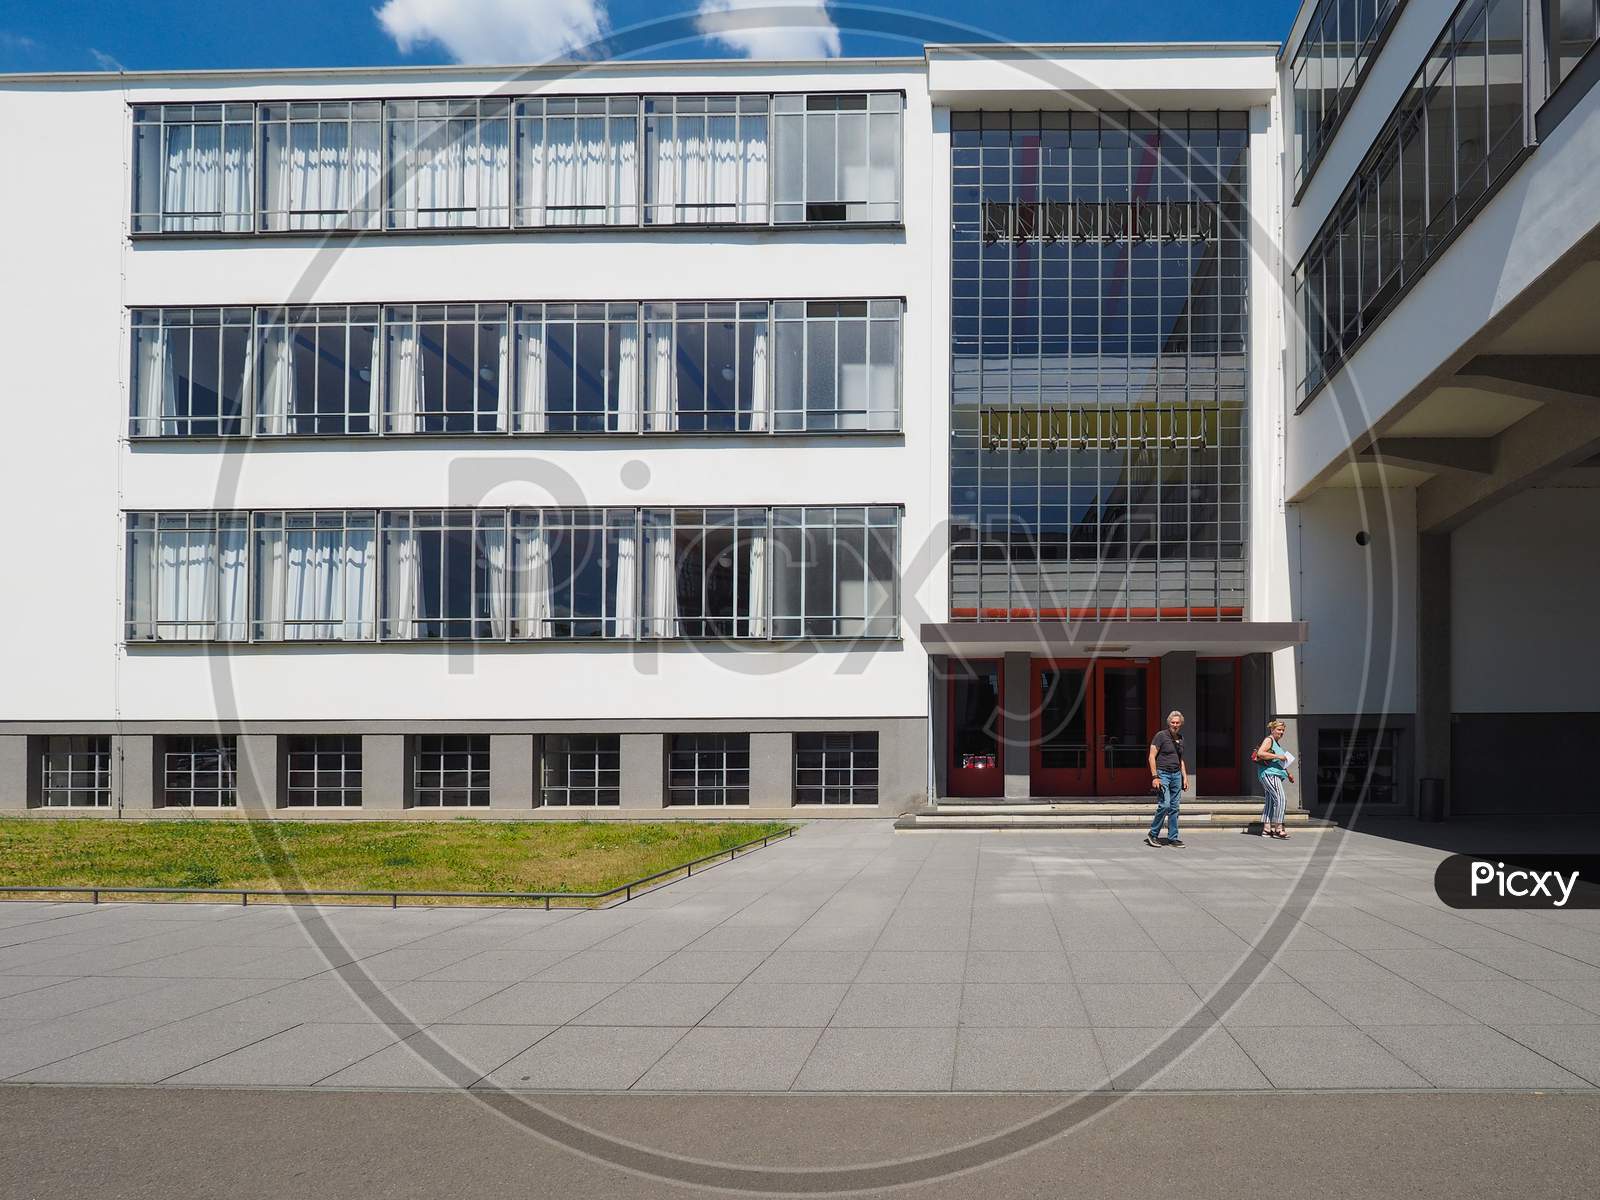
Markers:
point(450, 856)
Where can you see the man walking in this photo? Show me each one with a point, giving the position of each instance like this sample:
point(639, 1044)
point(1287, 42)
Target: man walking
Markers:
point(1169, 775)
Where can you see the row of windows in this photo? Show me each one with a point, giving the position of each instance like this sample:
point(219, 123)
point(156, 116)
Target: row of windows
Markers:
point(452, 770)
point(745, 366)
point(1575, 25)
point(1455, 135)
point(525, 162)
point(495, 574)
point(1329, 67)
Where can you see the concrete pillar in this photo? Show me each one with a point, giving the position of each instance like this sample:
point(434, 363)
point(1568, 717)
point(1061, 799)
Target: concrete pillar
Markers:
point(772, 770)
point(385, 774)
point(939, 726)
point(257, 759)
point(133, 772)
point(644, 770)
point(1016, 732)
point(1433, 661)
point(1179, 690)
point(15, 792)
point(511, 771)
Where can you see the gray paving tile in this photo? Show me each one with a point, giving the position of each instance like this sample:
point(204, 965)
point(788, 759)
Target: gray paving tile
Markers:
point(1207, 969)
point(1022, 1005)
point(1509, 1002)
point(297, 1057)
point(1271, 1004)
point(1582, 992)
point(1316, 966)
point(804, 1005)
point(410, 962)
point(900, 1005)
point(534, 1002)
point(156, 1054)
point(1187, 1058)
point(505, 965)
point(1528, 961)
point(1017, 966)
point(810, 966)
point(1471, 1056)
point(586, 1057)
point(439, 1056)
point(913, 966)
point(880, 1060)
point(744, 937)
point(1575, 1047)
point(74, 995)
point(1028, 1060)
point(1388, 1001)
point(674, 1004)
point(426, 1000)
point(1433, 964)
point(731, 1059)
point(1338, 1056)
point(1122, 966)
point(1147, 1004)
point(704, 966)
point(13, 985)
point(602, 966)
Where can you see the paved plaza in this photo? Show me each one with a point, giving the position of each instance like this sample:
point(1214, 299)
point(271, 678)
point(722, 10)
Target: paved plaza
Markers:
point(849, 958)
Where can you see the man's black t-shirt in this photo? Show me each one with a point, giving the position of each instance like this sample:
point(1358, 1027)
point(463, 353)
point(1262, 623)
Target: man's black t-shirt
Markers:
point(1169, 750)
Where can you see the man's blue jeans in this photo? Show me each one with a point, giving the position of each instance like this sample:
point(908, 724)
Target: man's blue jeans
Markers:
point(1171, 797)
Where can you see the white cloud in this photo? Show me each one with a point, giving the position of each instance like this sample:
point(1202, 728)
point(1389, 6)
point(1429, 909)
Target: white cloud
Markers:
point(771, 28)
point(104, 61)
point(496, 31)
point(16, 41)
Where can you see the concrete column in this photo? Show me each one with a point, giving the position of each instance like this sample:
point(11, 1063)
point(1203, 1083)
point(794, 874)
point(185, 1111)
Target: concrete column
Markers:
point(939, 726)
point(1016, 730)
point(257, 760)
point(1179, 690)
point(772, 770)
point(385, 782)
point(1433, 661)
point(15, 792)
point(644, 770)
point(133, 772)
point(511, 771)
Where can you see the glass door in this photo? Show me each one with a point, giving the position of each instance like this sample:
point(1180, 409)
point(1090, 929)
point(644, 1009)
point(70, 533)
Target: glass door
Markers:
point(1063, 706)
point(1216, 732)
point(975, 764)
point(1127, 720)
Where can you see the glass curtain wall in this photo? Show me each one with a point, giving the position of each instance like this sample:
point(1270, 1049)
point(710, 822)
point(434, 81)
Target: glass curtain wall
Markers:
point(1100, 320)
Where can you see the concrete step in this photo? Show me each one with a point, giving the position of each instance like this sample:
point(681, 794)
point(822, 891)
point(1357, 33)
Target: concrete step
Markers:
point(1092, 807)
point(1231, 816)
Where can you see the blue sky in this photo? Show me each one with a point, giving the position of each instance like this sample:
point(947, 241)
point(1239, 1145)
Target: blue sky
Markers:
point(83, 35)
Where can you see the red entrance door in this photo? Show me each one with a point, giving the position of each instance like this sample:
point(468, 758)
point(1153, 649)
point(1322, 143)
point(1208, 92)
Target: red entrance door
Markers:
point(1092, 724)
point(976, 768)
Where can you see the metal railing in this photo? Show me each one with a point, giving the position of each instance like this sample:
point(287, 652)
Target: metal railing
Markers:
point(625, 890)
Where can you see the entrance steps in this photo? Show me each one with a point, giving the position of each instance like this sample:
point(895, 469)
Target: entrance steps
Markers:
point(1129, 813)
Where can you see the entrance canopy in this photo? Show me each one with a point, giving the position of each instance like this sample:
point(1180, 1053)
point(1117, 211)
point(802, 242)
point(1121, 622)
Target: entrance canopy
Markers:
point(1136, 639)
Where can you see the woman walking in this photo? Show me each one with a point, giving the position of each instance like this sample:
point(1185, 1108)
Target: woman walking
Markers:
point(1274, 763)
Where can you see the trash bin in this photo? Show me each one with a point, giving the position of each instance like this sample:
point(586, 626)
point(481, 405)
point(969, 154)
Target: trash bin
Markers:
point(1430, 800)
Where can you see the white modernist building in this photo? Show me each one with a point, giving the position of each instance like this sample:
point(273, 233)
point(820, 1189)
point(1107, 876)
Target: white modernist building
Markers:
point(753, 437)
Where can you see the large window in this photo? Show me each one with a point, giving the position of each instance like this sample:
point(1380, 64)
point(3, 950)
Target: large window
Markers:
point(323, 770)
point(192, 168)
point(188, 577)
point(706, 159)
point(1329, 67)
point(532, 162)
point(708, 768)
point(733, 367)
point(581, 770)
point(576, 367)
point(1454, 137)
point(838, 364)
point(836, 768)
point(449, 163)
point(321, 164)
point(316, 576)
point(450, 771)
point(191, 372)
point(1099, 365)
point(76, 771)
point(495, 574)
point(577, 160)
point(318, 369)
point(1576, 27)
point(1358, 766)
point(707, 366)
point(835, 572)
point(837, 157)
point(199, 772)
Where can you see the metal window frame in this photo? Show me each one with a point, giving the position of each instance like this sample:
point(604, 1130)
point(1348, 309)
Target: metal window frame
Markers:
point(708, 760)
point(431, 755)
point(483, 316)
point(169, 115)
point(813, 755)
point(267, 523)
point(183, 761)
point(265, 320)
point(164, 323)
point(354, 216)
point(676, 112)
point(213, 521)
point(317, 754)
point(601, 756)
point(62, 786)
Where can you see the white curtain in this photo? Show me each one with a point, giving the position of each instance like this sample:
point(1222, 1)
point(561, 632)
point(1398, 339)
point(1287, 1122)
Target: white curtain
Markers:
point(753, 167)
point(757, 605)
point(233, 591)
point(561, 175)
point(662, 380)
point(156, 388)
point(590, 166)
point(313, 588)
point(624, 168)
point(193, 182)
point(277, 380)
point(628, 382)
point(404, 378)
point(531, 382)
point(365, 174)
point(503, 415)
point(270, 583)
point(627, 583)
point(185, 584)
point(237, 160)
point(530, 569)
point(360, 584)
point(760, 386)
point(492, 546)
point(661, 583)
point(723, 169)
point(438, 170)
point(402, 586)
